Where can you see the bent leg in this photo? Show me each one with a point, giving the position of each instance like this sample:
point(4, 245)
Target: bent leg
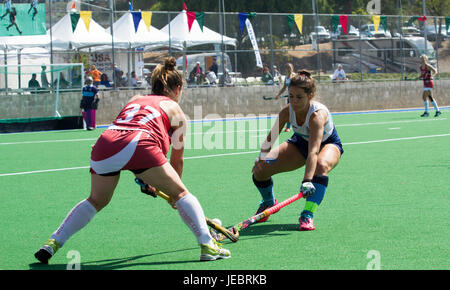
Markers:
point(167, 180)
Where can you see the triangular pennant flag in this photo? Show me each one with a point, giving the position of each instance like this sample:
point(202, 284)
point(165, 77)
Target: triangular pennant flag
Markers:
point(299, 21)
point(130, 6)
point(422, 18)
point(383, 22)
point(200, 17)
point(334, 22)
point(136, 19)
point(242, 18)
point(412, 19)
point(251, 15)
point(86, 16)
point(184, 7)
point(376, 22)
point(447, 23)
point(73, 5)
point(190, 19)
point(343, 21)
point(290, 20)
point(147, 18)
point(74, 17)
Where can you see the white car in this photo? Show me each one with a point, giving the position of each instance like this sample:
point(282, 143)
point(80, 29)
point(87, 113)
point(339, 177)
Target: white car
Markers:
point(368, 30)
point(320, 33)
point(352, 32)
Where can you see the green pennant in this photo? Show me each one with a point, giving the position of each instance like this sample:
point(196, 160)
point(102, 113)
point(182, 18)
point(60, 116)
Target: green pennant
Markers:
point(74, 17)
point(335, 22)
point(200, 17)
point(251, 15)
point(412, 19)
point(447, 23)
point(291, 20)
point(383, 21)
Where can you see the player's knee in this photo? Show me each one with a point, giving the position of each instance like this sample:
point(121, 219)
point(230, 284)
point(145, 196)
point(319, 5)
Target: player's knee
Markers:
point(98, 203)
point(322, 167)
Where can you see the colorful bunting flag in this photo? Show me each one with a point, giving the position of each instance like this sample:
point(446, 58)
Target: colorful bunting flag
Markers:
point(334, 22)
point(200, 17)
point(243, 17)
point(130, 6)
point(376, 22)
point(343, 21)
point(136, 19)
point(74, 18)
point(190, 19)
point(412, 19)
point(147, 17)
point(447, 23)
point(184, 7)
point(86, 16)
point(422, 18)
point(299, 21)
point(383, 22)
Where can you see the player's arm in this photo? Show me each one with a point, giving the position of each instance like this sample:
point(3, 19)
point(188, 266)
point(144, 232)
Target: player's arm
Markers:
point(178, 123)
point(316, 125)
point(282, 119)
point(432, 69)
point(282, 90)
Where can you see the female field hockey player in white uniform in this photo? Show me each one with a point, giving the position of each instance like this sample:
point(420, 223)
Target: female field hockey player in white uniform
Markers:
point(139, 140)
point(315, 145)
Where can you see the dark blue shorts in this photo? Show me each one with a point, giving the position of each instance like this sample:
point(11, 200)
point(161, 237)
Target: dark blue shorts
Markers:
point(302, 144)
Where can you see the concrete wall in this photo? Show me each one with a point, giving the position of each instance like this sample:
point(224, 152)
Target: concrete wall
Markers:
point(203, 102)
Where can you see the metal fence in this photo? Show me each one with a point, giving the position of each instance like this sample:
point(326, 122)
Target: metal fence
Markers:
point(316, 43)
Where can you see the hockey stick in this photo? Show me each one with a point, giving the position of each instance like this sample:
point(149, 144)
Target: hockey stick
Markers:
point(254, 219)
point(145, 189)
point(273, 98)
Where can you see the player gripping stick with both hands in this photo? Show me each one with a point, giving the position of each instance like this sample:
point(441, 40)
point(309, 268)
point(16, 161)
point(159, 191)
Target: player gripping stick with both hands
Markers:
point(139, 140)
point(315, 145)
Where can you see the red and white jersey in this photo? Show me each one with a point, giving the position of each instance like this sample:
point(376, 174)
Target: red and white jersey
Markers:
point(426, 76)
point(139, 138)
point(145, 114)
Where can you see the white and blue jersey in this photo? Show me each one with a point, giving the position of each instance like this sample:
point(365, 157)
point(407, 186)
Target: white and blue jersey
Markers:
point(301, 132)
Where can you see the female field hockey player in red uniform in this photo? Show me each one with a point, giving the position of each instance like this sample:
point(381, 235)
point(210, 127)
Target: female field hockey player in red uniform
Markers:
point(139, 140)
point(426, 74)
point(315, 144)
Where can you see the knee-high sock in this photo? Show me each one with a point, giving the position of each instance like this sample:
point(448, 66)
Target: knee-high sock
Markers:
point(425, 104)
point(320, 183)
point(78, 217)
point(191, 213)
point(265, 188)
point(436, 107)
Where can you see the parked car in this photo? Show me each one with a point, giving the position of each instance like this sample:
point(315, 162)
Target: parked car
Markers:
point(410, 31)
point(368, 30)
point(433, 31)
point(320, 33)
point(352, 32)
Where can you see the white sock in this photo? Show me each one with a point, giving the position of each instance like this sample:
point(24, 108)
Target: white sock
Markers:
point(426, 106)
point(435, 105)
point(76, 219)
point(191, 213)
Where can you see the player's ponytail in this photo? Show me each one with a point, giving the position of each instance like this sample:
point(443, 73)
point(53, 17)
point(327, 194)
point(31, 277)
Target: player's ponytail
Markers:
point(165, 77)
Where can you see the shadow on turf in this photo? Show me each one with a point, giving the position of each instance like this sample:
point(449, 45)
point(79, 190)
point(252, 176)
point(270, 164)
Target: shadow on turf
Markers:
point(113, 264)
point(262, 231)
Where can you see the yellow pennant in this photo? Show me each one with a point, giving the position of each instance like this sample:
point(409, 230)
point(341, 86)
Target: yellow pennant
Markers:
point(147, 17)
point(376, 22)
point(299, 21)
point(86, 16)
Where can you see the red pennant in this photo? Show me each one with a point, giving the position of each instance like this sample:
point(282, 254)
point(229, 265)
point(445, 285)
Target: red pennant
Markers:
point(190, 19)
point(73, 5)
point(422, 18)
point(343, 21)
point(184, 6)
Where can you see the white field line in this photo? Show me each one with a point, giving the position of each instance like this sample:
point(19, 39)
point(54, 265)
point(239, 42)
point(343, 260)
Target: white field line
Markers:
point(235, 153)
point(226, 132)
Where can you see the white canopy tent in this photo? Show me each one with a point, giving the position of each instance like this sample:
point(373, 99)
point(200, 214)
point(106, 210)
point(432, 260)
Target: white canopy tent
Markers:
point(180, 34)
point(19, 42)
point(149, 38)
point(65, 38)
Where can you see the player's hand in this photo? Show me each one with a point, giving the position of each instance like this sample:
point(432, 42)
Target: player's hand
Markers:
point(307, 188)
point(277, 97)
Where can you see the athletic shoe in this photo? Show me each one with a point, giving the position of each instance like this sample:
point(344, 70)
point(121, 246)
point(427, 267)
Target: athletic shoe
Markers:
point(262, 207)
point(425, 114)
point(47, 251)
point(437, 113)
point(306, 224)
point(214, 253)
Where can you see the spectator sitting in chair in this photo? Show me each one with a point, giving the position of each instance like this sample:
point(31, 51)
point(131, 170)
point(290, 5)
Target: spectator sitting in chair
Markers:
point(33, 83)
point(267, 77)
point(339, 74)
point(197, 73)
point(104, 80)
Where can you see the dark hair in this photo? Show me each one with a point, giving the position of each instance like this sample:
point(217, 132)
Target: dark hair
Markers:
point(165, 77)
point(304, 80)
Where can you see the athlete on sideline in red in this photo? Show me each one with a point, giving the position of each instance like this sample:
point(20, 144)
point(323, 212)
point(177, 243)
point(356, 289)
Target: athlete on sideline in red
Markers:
point(426, 74)
point(139, 140)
